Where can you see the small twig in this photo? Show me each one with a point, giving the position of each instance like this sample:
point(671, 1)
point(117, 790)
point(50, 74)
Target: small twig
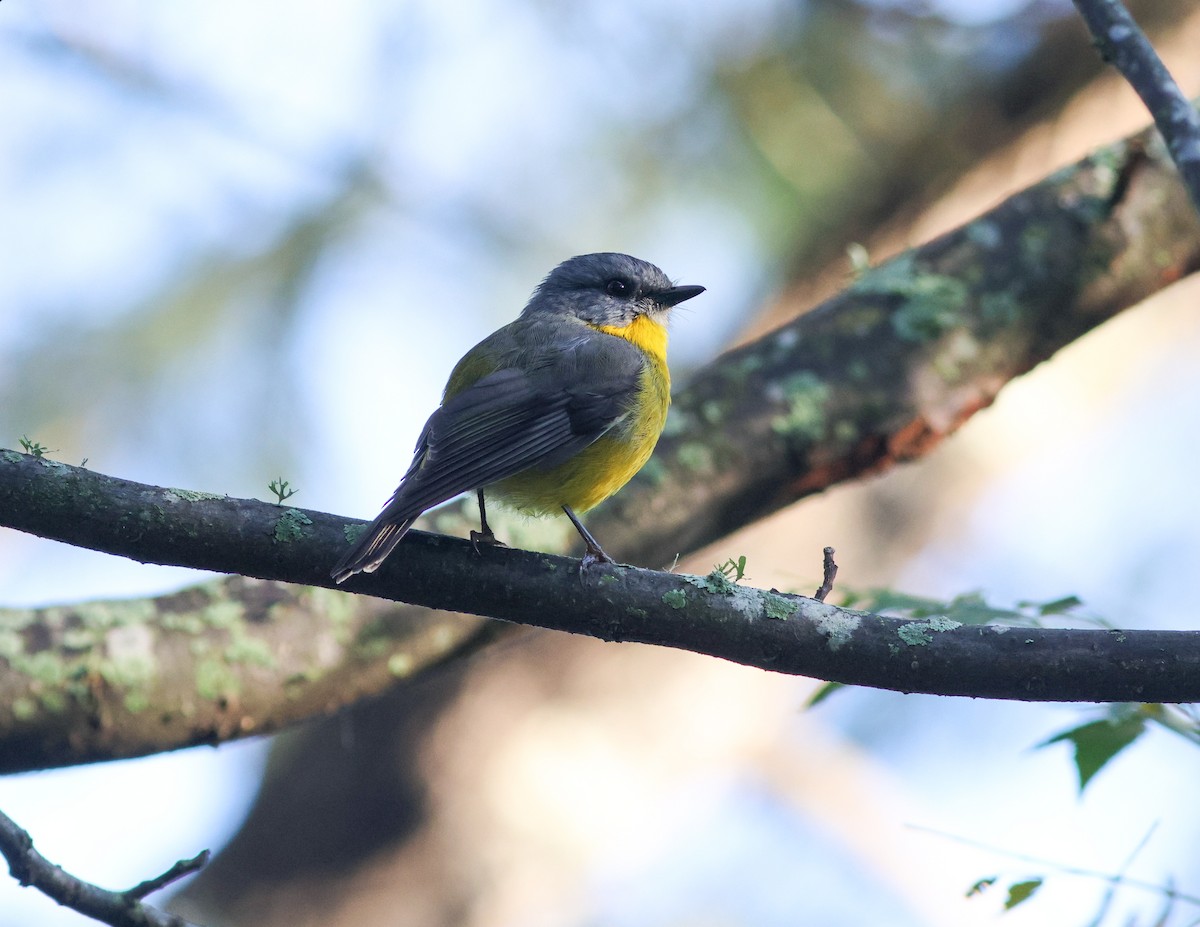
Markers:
point(118, 909)
point(1123, 43)
point(1110, 893)
point(1080, 871)
point(182, 868)
point(830, 573)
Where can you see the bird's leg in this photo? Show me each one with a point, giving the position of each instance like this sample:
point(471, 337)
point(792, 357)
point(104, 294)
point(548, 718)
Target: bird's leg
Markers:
point(484, 535)
point(595, 553)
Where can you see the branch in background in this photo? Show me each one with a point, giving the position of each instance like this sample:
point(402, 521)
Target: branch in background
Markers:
point(1123, 43)
point(224, 659)
point(120, 909)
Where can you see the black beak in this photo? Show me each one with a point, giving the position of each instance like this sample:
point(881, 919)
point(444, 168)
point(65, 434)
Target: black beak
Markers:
point(677, 294)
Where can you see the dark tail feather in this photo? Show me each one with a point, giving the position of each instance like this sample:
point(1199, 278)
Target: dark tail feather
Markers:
point(377, 541)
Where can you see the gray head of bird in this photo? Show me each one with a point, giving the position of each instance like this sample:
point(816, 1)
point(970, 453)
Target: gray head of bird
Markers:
point(608, 289)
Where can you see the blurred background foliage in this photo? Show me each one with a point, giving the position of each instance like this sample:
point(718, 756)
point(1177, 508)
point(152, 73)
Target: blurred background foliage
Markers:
point(243, 241)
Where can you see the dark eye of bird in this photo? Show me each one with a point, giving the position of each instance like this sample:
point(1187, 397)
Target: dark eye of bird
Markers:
point(617, 287)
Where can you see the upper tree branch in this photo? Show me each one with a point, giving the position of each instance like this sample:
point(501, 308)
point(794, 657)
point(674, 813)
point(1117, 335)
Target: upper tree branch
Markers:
point(228, 658)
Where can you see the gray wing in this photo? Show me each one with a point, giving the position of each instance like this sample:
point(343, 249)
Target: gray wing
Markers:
point(508, 421)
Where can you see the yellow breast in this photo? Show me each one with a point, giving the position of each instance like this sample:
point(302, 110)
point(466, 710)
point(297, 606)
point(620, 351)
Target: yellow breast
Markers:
point(595, 473)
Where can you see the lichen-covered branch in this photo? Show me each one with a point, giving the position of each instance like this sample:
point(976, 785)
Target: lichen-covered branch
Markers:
point(228, 658)
point(711, 615)
point(120, 909)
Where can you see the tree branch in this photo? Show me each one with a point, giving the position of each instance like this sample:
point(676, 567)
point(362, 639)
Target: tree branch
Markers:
point(1123, 43)
point(771, 630)
point(228, 658)
point(120, 909)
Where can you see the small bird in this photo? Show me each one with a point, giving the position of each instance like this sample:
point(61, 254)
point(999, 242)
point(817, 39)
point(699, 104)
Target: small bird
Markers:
point(555, 411)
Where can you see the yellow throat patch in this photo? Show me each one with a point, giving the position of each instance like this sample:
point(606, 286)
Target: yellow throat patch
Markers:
point(646, 334)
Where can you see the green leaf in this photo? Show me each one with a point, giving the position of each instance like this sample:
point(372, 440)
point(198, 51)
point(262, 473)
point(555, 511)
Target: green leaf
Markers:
point(823, 693)
point(1098, 742)
point(1058, 606)
point(980, 886)
point(1020, 892)
point(968, 608)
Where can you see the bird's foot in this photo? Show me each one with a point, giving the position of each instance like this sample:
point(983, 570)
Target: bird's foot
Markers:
point(486, 538)
point(595, 554)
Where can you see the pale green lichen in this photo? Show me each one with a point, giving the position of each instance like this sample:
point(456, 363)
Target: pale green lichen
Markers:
point(249, 650)
point(11, 645)
point(290, 526)
point(354, 532)
point(78, 639)
point(224, 615)
point(713, 412)
point(920, 632)
point(189, 623)
point(746, 602)
point(190, 495)
point(44, 667)
point(60, 468)
point(102, 616)
point(715, 582)
point(130, 661)
point(930, 304)
point(777, 607)
point(933, 305)
point(53, 701)
point(136, 700)
point(24, 708)
point(13, 457)
point(837, 625)
point(695, 457)
point(805, 396)
point(676, 598)
point(215, 680)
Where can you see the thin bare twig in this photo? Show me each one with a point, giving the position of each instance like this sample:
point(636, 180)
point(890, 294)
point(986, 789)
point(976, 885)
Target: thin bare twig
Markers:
point(119, 909)
point(184, 867)
point(1122, 42)
point(829, 574)
point(1118, 878)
